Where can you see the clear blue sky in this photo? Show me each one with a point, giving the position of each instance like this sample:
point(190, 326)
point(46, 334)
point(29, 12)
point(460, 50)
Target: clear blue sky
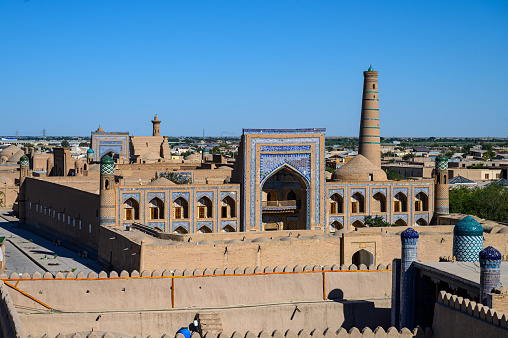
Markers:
point(226, 65)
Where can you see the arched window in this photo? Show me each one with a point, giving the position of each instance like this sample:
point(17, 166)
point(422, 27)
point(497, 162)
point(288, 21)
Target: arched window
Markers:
point(444, 179)
point(291, 196)
point(181, 208)
point(357, 203)
point(379, 203)
point(373, 86)
point(272, 196)
point(421, 221)
point(421, 202)
point(204, 207)
point(401, 222)
point(131, 207)
point(336, 225)
point(336, 204)
point(205, 230)
point(228, 228)
point(400, 202)
point(156, 208)
point(228, 208)
point(358, 224)
point(363, 257)
point(181, 230)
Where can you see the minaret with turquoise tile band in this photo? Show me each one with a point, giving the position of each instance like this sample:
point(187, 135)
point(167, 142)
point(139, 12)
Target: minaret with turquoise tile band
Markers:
point(409, 254)
point(370, 144)
point(107, 192)
point(442, 200)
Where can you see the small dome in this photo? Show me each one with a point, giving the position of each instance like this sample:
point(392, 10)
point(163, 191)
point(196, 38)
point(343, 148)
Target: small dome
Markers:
point(468, 226)
point(370, 69)
point(107, 160)
point(150, 156)
point(99, 130)
point(90, 151)
point(504, 230)
point(24, 160)
point(359, 169)
point(227, 180)
point(15, 158)
point(409, 233)
point(9, 151)
point(193, 156)
point(490, 254)
point(78, 163)
point(162, 181)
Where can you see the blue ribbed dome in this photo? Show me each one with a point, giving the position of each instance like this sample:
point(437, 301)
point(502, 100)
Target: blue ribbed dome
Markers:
point(468, 226)
point(490, 254)
point(409, 233)
point(90, 151)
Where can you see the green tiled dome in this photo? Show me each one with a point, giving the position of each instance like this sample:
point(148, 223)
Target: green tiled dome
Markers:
point(107, 160)
point(468, 226)
point(24, 160)
point(441, 162)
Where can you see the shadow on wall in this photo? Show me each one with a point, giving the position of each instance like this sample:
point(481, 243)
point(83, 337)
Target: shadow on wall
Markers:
point(377, 316)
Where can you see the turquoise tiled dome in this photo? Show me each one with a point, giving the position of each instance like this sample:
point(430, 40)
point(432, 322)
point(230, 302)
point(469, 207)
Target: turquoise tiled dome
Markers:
point(90, 151)
point(468, 226)
point(371, 69)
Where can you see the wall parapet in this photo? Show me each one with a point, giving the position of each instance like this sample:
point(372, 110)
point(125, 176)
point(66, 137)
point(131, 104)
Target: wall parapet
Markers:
point(316, 333)
point(10, 323)
point(198, 272)
point(474, 309)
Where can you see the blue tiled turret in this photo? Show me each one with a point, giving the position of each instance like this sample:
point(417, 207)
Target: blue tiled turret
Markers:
point(467, 240)
point(107, 165)
point(490, 272)
point(409, 239)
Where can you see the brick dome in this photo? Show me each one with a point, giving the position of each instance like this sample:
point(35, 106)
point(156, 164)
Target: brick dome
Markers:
point(359, 169)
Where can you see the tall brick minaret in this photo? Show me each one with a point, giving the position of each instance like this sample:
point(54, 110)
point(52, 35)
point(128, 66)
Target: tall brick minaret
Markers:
point(370, 146)
point(156, 126)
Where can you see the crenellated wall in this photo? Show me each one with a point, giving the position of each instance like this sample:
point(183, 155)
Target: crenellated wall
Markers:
point(459, 317)
point(10, 324)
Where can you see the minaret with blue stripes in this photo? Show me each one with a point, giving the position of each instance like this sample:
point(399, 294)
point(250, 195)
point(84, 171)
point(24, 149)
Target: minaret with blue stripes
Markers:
point(490, 272)
point(370, 145)
point(107, 192)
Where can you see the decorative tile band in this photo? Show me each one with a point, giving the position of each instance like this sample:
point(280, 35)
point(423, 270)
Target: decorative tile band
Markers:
point(332, 192)
point(184, 225)
point(160, 195)
point(285, 131)
point(135, 196)
point(185, 195)
point(208, 194)
point(285, 148)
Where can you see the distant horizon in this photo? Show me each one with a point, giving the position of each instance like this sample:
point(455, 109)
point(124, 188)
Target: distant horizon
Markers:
point(70, 66)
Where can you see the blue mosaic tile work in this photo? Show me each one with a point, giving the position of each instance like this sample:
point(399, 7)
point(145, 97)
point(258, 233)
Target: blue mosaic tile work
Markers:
point(424, 216)
point(184, 225)
point(467, 248)
point(352, 219)
point(285, 131)
point(381, 190)
point(402, 190)
point(185, 195)
point(404, 217)
point(208, 194)
point(231, 223)
point(104, 142)
point(319, 154)
point(202, 224)
point(272, 162)
point(417, 190)
point(332, 192)
point(490, 272)
point(152, 195)
point(361, 191)
point(285, 148)
point(339, 219)
point(135, 196)
point(161, 225)
point(232, 194)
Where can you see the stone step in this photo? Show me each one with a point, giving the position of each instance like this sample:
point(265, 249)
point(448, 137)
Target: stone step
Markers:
point(210, 322)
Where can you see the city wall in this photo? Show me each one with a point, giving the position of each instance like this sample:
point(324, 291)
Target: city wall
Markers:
point(159, 302)
point(10, 323)
point(68, 213)
point(458, 317)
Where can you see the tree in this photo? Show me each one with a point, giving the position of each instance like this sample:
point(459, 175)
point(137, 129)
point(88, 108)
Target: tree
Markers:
point(490, 202)
point(393, 175)
point(65, 144)
point(376, 221)
point(216, 150)
point(408, 156)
